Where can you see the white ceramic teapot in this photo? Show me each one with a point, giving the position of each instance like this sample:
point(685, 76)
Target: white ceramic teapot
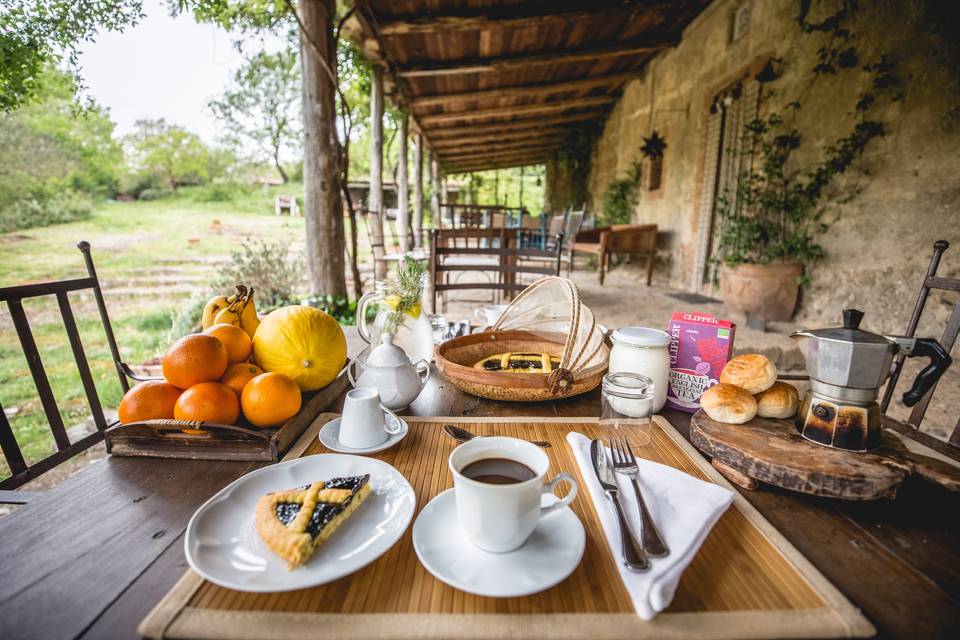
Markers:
point(389, 370)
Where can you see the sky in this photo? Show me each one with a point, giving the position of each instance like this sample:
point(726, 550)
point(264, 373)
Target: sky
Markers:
point(164, 67)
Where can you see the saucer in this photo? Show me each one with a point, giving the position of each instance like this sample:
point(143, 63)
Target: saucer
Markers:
point(547, 558)
point(330, 437)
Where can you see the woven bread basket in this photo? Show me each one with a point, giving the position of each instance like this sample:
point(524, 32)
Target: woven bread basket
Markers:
point(547, 317)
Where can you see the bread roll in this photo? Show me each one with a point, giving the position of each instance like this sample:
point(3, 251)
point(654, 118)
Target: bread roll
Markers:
point(779, 401)
point(751, 372)
point(728, 403)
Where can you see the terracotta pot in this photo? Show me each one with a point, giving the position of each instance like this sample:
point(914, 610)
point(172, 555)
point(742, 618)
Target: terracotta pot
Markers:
point(762, 291)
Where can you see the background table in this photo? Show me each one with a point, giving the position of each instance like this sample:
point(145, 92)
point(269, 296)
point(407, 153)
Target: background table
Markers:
point(93, 556)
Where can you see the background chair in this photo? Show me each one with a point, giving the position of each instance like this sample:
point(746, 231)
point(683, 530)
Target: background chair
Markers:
point(947, 340)
point(21, 471)
point(492, 255)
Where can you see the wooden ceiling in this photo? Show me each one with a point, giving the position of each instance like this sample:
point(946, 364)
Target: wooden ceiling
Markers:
point(493, 84)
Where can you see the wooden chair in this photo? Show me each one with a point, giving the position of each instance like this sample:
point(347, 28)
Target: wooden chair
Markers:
point(627, 239)
point(391, 242)
point(21, 472)
point(478, 216)
point(493, 254)
point(947, 341)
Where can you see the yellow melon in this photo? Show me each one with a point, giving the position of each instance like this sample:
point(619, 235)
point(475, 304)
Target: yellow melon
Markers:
point(303, 343)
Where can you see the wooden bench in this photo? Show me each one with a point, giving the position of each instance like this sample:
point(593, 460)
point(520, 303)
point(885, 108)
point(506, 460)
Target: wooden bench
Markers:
point(286, 203)
point(630, 239)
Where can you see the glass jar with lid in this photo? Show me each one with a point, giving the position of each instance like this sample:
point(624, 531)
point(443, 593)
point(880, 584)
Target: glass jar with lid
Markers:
point(626, 404)
point(644, 352)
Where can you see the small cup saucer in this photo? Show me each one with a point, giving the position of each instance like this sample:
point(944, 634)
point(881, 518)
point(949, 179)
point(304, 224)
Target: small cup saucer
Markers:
point(546, 559)
point(330, 436)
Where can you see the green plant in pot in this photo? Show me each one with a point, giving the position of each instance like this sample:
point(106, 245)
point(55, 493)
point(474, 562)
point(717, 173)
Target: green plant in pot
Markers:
point(771, 220)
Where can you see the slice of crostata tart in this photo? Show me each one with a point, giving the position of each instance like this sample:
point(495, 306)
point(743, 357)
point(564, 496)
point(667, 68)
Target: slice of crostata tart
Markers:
point(295, 522)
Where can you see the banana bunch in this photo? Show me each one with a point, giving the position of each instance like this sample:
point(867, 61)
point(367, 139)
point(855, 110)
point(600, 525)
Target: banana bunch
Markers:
point(237, 309)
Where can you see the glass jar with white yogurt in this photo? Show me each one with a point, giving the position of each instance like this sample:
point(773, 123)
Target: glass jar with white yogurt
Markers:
point(644, 352)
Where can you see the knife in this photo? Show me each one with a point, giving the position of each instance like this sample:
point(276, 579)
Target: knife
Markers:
point(634, 557)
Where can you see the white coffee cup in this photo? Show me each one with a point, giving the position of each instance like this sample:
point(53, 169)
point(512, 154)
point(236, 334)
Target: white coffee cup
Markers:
point(362, 424)
point(500, 517)
point(490, 313)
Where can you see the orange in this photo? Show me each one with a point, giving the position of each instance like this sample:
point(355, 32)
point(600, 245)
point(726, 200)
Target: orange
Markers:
point(151, 400)
point(208, 401)
point(240, 374)
point(194, 359)
point(270, 399)
point(234, 338)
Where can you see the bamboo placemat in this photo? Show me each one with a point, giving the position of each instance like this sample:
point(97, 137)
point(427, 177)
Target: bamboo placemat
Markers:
point(747, 581)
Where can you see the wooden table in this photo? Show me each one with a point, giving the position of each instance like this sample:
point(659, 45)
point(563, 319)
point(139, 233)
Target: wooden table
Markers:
point(93, 556)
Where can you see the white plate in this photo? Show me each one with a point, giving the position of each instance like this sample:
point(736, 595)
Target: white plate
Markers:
point(330, 437)
point(223, 546)
point(546, 559)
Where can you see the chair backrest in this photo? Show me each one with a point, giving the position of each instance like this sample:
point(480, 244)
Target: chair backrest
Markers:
point(478, 216)
point(947, 340)
point(573, 223)
point(20, 471)
point(510, 264)
point(630, 238)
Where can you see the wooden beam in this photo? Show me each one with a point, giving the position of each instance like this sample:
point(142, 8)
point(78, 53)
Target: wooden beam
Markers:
point(375, 196)
point(489, 165)
point(534, 122)
point(500, 64)
point(418, 192)
point(501, 136)
point(522, 110)
point(524, 90)
point(494, 153)
point(472, 150)
point(513, 16)
point(403, 188)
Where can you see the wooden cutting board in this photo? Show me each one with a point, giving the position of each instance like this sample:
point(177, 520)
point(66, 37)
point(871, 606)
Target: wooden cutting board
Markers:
point(770, 450)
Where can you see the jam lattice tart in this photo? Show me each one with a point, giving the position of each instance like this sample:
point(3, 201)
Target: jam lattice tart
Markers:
point(294, 523)
point(519, 363)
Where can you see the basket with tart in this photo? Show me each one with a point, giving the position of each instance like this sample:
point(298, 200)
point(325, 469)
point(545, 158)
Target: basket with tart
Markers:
point(545, 346)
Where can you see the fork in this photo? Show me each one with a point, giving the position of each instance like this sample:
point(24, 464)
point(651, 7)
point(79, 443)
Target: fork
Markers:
point(625, 463)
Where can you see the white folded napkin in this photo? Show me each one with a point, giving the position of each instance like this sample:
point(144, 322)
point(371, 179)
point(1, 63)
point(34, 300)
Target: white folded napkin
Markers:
point(683, 507)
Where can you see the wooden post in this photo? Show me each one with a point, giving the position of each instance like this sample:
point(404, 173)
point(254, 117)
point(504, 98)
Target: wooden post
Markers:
point(375, 199)
point(418, 193)
point(435, 190)
point(403, 188)
point(322, 208)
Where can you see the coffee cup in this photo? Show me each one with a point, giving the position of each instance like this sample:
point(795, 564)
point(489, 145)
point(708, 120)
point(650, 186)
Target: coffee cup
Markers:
point(363, 424)
point(489, 314)
point(498, 483)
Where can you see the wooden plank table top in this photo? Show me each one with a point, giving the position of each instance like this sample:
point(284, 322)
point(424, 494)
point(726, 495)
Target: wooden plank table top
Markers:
point(90, 558)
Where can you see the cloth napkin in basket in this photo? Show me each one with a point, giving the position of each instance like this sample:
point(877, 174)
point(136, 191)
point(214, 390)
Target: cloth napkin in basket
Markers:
point(684, 508)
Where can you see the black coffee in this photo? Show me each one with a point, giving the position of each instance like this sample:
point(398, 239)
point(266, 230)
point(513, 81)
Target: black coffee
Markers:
point(498, 471)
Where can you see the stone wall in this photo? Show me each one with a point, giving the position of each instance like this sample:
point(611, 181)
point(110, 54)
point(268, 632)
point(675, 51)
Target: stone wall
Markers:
point(879, 246)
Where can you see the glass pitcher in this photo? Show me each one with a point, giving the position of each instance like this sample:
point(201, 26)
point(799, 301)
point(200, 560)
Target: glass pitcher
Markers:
point(411, 328)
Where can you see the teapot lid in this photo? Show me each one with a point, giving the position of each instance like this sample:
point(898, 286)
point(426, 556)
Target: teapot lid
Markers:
point(387, 354)
point(850, 332)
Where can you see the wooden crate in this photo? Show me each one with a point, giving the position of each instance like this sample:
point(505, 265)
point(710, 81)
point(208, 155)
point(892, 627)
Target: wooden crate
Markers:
point(166, 439)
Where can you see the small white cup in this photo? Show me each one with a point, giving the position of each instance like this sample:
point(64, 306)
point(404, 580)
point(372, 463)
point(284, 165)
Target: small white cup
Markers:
point(363, 425)
point(500, 517)
point(489, 314)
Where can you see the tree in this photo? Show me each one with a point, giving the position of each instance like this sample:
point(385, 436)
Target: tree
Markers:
point(36, 33)
point(322, 175)
point(262, 107)
point(168, 153)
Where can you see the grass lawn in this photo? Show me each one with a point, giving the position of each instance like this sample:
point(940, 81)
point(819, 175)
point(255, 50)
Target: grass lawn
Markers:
point(150, 257)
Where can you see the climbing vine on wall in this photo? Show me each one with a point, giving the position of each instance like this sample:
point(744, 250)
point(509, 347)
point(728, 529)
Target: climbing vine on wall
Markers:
point(778, 209)
point(574, 156)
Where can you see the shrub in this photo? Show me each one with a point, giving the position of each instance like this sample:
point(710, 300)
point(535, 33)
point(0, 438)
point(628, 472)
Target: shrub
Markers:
point(218, 192)
point(44, 209)
point(342, 309)
point(274, 273)
point(155, 194)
